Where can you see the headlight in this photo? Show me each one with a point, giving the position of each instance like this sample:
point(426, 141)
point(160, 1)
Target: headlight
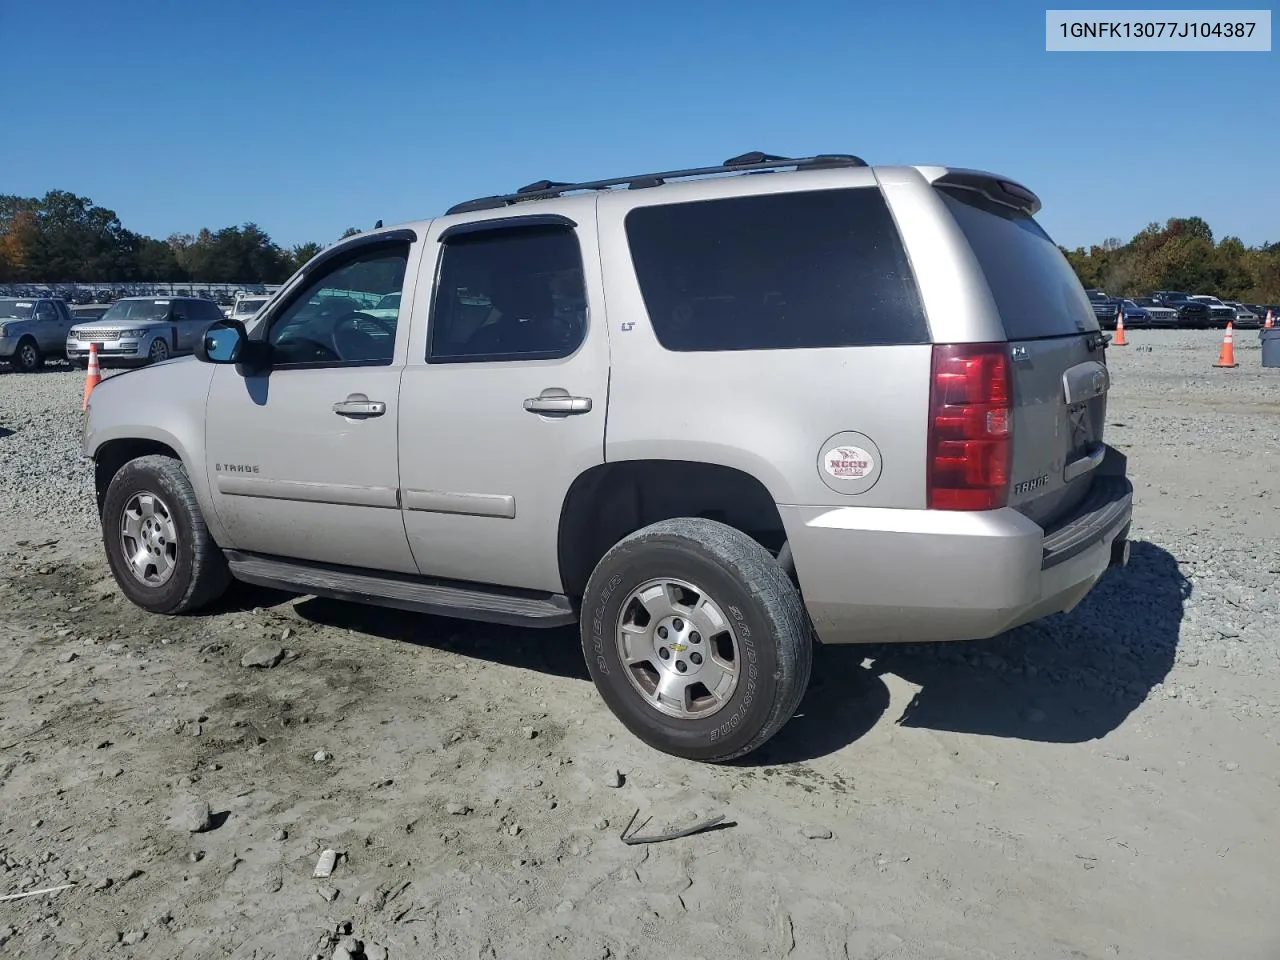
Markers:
point(132, 333)
point(4, 332)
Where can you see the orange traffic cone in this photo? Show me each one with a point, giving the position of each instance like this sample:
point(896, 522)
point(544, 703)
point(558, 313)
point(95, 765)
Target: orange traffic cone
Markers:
point(1267, 325)
point(1120, 341)
point(1227, 357)
point(93, 377)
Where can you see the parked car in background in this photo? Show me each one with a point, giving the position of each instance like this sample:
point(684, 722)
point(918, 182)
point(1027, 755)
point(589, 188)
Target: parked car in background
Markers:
point(245, 308)
point(1158, 315)
point(141, 330)
point(1135, 315)
point(1219, 313)
point(1192, 314)
point(32, 330)
point(1104, 307)
point(1245, 317)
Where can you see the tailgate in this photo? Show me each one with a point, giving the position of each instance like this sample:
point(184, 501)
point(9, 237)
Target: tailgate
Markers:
point(1057, 353)
point(1059, 408)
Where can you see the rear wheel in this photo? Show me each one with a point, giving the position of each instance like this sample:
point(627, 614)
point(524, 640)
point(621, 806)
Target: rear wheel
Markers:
point(696, 639)
point(157, 544)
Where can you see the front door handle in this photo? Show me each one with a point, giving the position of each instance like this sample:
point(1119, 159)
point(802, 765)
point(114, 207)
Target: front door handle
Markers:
point(557, 401)
point(358, 405)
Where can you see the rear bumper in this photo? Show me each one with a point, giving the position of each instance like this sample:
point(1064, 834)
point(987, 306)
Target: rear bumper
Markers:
point(887, 576)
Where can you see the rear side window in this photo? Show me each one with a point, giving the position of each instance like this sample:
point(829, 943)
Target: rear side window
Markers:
point(1035, 289)
point(781, 271)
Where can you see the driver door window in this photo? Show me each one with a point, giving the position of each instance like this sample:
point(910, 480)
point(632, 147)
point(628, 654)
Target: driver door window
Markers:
point(344, 317)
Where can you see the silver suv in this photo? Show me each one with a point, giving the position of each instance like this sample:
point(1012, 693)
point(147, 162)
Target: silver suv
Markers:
point(141, 330)
point(711, 415)
point(31, 330)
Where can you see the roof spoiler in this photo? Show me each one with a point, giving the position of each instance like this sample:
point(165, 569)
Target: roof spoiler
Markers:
point(995, 188)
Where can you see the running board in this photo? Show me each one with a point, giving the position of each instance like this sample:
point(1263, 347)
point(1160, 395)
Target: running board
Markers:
point(466, 601)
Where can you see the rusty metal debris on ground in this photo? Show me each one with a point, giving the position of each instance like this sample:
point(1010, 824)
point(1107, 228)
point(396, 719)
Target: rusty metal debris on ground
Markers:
point(635, 837)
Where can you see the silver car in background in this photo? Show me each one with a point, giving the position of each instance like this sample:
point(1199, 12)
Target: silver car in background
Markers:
point(141, 330)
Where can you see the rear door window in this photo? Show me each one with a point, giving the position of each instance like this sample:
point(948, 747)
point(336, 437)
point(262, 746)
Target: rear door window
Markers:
point(1035, 289)
point(823, 268)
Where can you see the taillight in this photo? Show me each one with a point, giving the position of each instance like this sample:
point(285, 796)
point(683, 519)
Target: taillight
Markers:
point(970, 427)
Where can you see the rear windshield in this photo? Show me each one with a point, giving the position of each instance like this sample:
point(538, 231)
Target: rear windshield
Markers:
point(1035, 289)
point(777, 271)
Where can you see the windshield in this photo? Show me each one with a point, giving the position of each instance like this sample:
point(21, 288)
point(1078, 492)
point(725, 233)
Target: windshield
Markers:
point(16, 309)
point(247, 307)
point(137, 310)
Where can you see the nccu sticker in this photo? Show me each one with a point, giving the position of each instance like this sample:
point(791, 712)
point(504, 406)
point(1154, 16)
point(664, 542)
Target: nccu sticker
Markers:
point(848, 463)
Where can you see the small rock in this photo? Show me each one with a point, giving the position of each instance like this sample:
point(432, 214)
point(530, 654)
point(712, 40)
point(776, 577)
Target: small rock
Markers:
point(133, 937)
point(329, 893)
point(530, 733)
point(514, 830)
point(566, 906)
point(263, 655)
point(375, 952)
point(456, 809)
point(286, 633)
point(602, 824)
point(817, 833)
point(1231, 766)
point(351, 945)
point(67, 656)
point(326, 863)
point(190, 813)
point(321, 756)
point(280, 835)
point(614, 779)
point(37, 824)
point(103, 884)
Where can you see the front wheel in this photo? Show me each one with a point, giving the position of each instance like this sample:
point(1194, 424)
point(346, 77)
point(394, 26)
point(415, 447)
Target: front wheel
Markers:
point(157, 544)
point(159, 350)
point(28, 358)
point(696, 639)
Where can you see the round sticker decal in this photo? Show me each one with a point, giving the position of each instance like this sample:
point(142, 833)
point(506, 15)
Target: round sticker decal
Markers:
point(848, 463)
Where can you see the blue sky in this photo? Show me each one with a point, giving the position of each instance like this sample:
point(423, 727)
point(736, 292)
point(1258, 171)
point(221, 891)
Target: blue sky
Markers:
point(308, 118)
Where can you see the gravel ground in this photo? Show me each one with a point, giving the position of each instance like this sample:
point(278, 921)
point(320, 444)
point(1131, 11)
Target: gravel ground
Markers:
point(1100, 784)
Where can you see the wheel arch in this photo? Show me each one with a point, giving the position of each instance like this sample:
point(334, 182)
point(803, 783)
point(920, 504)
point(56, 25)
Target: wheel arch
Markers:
point(609, 501)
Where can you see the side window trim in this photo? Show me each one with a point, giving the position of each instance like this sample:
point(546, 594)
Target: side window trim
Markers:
point(475, 231)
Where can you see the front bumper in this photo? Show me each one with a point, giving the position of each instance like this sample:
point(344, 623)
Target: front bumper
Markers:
point(8, 345)
point(109, 351)
point(871, 575)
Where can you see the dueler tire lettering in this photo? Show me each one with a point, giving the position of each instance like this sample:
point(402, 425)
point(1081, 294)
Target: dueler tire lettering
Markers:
point(774, 635)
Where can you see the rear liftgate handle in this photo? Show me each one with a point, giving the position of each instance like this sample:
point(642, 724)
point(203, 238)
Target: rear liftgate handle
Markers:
point(556, 401)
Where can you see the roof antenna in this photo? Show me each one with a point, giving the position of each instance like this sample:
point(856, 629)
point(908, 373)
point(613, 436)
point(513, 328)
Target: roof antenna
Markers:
point(378, 225)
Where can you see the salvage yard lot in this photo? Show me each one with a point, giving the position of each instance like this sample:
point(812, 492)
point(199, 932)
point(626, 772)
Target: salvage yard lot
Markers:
point(1102, 784)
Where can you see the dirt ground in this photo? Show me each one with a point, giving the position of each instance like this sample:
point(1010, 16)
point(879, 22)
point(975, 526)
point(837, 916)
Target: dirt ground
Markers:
point(1104, 784)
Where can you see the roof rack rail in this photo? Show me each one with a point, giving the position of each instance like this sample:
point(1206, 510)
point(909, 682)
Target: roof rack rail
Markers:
point(743, 163)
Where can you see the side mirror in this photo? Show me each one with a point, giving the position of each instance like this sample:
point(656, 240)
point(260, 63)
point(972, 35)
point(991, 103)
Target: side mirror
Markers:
point(223, 342)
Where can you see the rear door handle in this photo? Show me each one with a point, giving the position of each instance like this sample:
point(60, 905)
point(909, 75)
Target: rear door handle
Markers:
point(358, 405)
point(555, 400)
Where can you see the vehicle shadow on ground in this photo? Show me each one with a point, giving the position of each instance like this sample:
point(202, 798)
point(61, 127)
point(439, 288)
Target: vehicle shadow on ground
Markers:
point(1072, 677)
point(554, 651)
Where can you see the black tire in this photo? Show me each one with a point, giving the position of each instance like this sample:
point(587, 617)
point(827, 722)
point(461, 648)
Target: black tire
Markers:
point(158, 351)
point(200, 573)
point(28, 358)
point(763, 605)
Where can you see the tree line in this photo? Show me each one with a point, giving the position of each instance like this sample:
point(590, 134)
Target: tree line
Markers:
point(1181, 255)
point(65, 238)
